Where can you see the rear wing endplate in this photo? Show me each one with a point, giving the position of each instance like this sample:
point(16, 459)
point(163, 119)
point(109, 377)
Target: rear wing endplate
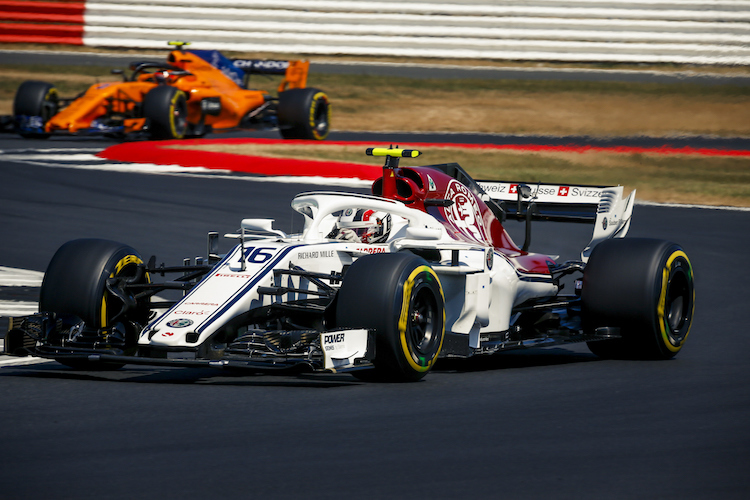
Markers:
point(604, 206)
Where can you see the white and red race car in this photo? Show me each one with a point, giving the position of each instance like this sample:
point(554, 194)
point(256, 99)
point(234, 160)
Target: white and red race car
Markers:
point(381, 285)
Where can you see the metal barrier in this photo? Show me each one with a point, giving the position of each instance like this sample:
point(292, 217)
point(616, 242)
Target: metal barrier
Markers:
point(24, 21)
point(634, 31)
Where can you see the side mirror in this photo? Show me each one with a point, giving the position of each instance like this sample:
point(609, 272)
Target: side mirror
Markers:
point(524, 191)
point(213, 248)
point(118, 72)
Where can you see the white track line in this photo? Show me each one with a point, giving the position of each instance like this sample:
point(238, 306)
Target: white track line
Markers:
point(11, 276)
point(26, 360)
point(17, 308)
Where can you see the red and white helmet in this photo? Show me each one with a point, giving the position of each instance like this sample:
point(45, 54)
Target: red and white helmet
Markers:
point(369, 226)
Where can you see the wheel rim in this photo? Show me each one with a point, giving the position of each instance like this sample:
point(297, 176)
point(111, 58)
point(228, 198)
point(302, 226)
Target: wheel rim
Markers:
point(128, 270)
point(422, 326)
point(49, 107)
point(179, 117)
point(677, 306)
point(321, 117)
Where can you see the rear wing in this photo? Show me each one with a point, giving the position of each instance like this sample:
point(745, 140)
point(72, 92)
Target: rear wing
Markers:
point(604, 206)
point(295, 72)
point(554, 202)
point(239, 70)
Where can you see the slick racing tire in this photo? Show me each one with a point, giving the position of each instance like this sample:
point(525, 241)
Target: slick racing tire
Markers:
point(400, 297)
point(165, 109)
point(645, 288)
point(82, 280)
point(304, 114)
point(37, 101)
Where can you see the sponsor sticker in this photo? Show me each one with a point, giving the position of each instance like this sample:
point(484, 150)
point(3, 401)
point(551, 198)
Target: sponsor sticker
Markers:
point(180, 323)
point(464, 214)
point(315, 254)
point(331, 340)
point(431, 183)
point(341, 349)
point(544, 192)
point(371, 250)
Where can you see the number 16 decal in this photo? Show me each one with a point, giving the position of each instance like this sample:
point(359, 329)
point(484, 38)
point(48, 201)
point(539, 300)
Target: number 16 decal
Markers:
point(259, 255)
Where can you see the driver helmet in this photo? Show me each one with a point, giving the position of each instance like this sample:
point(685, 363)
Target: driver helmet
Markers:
point(161, 76)
point(366, 225)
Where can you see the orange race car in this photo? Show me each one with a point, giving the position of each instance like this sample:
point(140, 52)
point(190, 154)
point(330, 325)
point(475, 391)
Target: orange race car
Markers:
point(194, 92)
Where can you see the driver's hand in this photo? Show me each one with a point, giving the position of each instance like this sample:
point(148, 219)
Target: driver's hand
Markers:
point(348, 235)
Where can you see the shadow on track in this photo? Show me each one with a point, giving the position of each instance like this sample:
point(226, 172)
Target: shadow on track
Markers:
point(528, 358)
point(180, 376)
point(207, 376)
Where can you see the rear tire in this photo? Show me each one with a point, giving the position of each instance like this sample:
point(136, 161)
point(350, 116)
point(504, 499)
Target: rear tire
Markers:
point(165, 108)
point(75, 283)
point(644, 287)
point(35, 103)
point(400, 297)
point(304, 114)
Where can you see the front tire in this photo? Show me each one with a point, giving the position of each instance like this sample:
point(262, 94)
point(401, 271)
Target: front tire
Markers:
point(400, 297)
point(304, 114)
point(644, 287)
point(34, 104)
point(82, 279)
point(165, 108)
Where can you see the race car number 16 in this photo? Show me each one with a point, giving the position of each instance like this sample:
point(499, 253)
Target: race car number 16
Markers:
point(258, 255)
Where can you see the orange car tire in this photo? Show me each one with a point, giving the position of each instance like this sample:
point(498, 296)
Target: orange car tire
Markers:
point(304, 114)
point(35, 99)
point(165, 109)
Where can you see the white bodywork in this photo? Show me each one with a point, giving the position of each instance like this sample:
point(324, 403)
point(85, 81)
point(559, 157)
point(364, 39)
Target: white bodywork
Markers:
point(480, 284)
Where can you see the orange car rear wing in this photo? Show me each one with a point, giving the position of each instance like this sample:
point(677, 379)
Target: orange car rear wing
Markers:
point(295, 72)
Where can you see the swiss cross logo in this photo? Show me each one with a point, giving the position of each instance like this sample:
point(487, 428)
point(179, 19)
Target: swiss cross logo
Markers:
point(513, 189)
point(563, 191)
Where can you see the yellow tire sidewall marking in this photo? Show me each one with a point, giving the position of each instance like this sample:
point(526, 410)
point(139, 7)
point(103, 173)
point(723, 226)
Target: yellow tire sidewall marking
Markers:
point(403, 321)
point(661, 313)
point(50, 94)
point(172, 107)
point(319, 96)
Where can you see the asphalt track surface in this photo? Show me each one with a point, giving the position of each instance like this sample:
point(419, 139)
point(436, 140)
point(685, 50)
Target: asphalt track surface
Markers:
point(541, 423)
